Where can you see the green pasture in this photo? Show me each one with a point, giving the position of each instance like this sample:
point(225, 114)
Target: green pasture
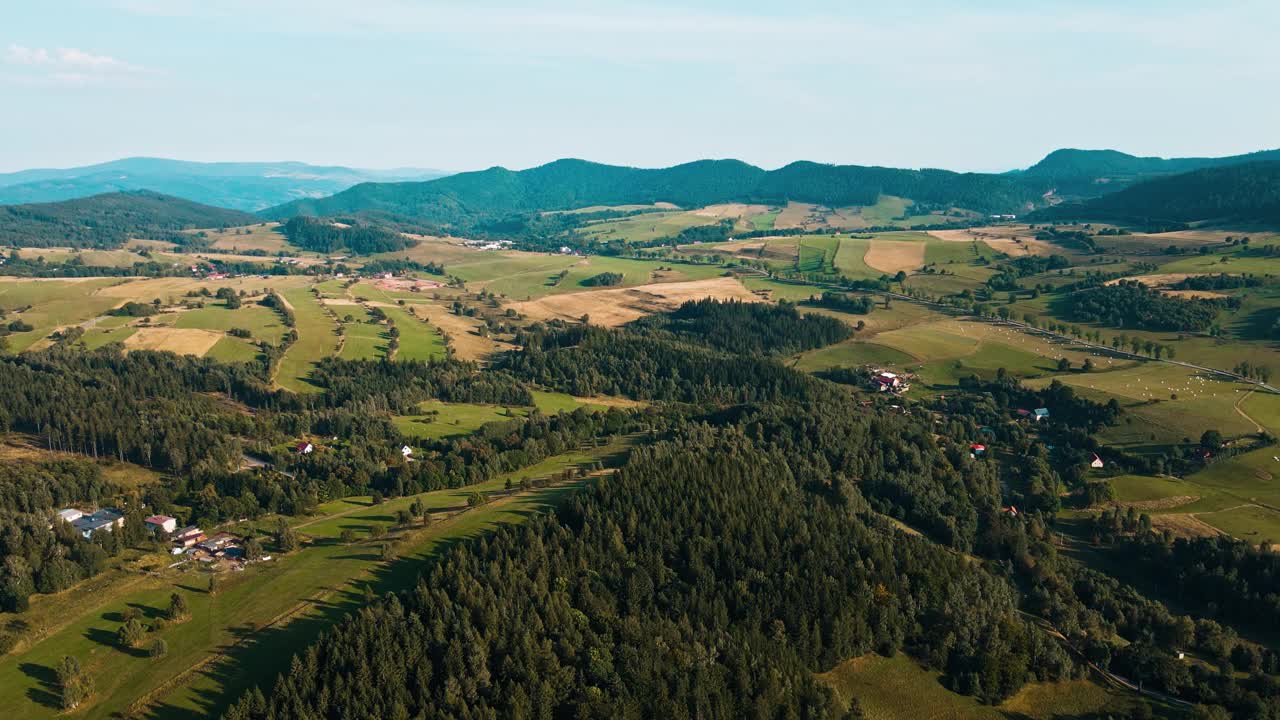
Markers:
point(316, 341)
point(53, 304)
point(363, 338)
point(418, 339)
point(263, 322)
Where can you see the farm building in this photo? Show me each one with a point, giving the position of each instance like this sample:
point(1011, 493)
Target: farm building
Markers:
point(977, 449)
point(884, 381)
point(69, 515)
point(1022, 413)
point(1095, 461)
point(304, 448)
point(188, 536)
point(161, 523)
point(101, 520)
point(406, 451)
point(1041, 414)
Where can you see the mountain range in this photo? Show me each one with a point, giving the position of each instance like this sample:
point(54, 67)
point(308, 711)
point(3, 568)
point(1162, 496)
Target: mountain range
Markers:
point(246, 186)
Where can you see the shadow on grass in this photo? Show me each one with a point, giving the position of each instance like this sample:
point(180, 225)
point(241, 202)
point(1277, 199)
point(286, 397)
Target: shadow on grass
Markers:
point(47, 693)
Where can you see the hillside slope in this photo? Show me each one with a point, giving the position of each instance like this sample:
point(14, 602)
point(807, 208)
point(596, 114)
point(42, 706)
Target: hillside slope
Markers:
point(566, 184)
point(1091, 173)
point(247, 186)
point(109, 220)
point(1235, 193)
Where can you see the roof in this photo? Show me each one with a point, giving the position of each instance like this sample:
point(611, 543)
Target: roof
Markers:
point(1022, 411)
point(188, 530)
point(1044, 412)
point(99, 519)
point(160, 519)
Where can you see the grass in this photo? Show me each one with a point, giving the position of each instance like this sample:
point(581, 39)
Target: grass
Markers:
point(232, 349)
point(764, 221)
point(264, 323)
point(418, 339)
point(899, 689)
point(438, 419)
point(648, 226)
point(53, 304)
point(853, 354)
point(363, 338)
point(244, 634)
point(818, 254)
point(316, 340)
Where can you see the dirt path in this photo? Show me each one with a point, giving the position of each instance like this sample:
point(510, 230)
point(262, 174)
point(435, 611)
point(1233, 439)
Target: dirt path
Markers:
point(1257, 426)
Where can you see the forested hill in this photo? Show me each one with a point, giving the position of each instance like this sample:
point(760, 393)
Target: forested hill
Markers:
point(1239, 193)
point(567, 184)
point(109, 220)
point(1092, 173)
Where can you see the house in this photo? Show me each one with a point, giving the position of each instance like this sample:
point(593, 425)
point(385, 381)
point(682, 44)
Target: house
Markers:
point(406, 451)
point(161, 523)
point(304, 448)
point(107, 520)
point(1011, 510)
point(1041, 414)
point(1095, 461)
point(977, 449)
point(885, 381)
point(188, 535)
point(69, 515)
point(1022, 413)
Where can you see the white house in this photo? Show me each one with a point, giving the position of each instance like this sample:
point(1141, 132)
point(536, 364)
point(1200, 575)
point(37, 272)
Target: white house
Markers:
point(70, 515)
point(304, 448)
point(406, 451)
point(161, 523)
point(1096, 462)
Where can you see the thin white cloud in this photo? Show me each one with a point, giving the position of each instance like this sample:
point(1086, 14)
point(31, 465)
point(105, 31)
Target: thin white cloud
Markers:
point(69, 66)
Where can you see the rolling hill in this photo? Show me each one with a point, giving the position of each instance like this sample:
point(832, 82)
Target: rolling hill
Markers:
point(1235, 193)
point(110, 219)
point(1077, 174)
point(247, 186)
point(460, 199)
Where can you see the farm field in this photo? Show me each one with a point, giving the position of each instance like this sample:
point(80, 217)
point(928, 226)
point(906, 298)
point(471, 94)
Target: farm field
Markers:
point(817, 254)
point(265, 237)
point(899, 689)
point(53, 304)
point(363, 338)
point(438, 419)
point(317, 339)
point(263, 322)
point(418, 339)
point(616, 307)
point(648, 226)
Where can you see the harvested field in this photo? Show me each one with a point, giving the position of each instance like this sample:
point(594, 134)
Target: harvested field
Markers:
point(730, 210)
point(408, 284)
point(616, 307)
point(1158, 279)
point(1184, 525)
point(890, 256)
point(1010, 241)
point(798, 215)
point(183, 341)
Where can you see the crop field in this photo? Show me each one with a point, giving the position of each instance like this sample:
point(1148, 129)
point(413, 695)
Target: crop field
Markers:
point(899, 689)
point(236, 637)
point(53, 304)
point(853, 354)
point(616, 307)
point(648, 226)
point(890, 256)
point(317, 339)
point(232, 349)
point(849, 258)
point(764, 220)
point(265, 237)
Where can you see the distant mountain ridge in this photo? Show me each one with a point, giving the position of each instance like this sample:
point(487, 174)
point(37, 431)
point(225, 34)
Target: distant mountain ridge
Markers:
point(110, 220)
point(1247, 193)
point(1090, 173)
point(568, 184)
point(246, 186)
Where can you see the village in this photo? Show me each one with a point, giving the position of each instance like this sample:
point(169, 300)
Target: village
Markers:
point(221, 550)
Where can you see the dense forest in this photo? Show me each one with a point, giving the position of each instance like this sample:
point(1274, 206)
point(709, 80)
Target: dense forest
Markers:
point(110, 220)
point(326, 237)
point(1248, 192)
point(468, 199)
point(1130, 303)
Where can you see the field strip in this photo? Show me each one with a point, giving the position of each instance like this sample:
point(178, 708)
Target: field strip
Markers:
point(1244, 414)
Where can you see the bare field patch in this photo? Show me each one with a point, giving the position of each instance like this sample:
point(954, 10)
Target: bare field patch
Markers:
point(728, 211)
point(1195, 294)
point(616, 307)
point(799, 215)
point(181, 341)
point(890, 256)
point(1158, 279)
point(1184, 525)
point(1014, 241)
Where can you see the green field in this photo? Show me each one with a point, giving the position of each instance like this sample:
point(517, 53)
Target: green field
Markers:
point(363, 338)
point(438, 419)
point(853, 354)
point(848, 259)
point(818, 254)
point(648, 226)
point(418, 339)
point(239, 636)
point(263, 322)
point(233, 349)
point(316, 341)
point(899, 689)
point(53, 303)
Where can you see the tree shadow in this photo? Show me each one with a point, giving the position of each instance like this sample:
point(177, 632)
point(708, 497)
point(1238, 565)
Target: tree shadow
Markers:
point(47, 693)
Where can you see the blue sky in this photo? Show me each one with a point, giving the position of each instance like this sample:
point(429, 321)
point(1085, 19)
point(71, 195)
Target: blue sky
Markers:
point(466, 85)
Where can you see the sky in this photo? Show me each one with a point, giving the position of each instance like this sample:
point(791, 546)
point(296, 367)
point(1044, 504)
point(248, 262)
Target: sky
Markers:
point(989, 86)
